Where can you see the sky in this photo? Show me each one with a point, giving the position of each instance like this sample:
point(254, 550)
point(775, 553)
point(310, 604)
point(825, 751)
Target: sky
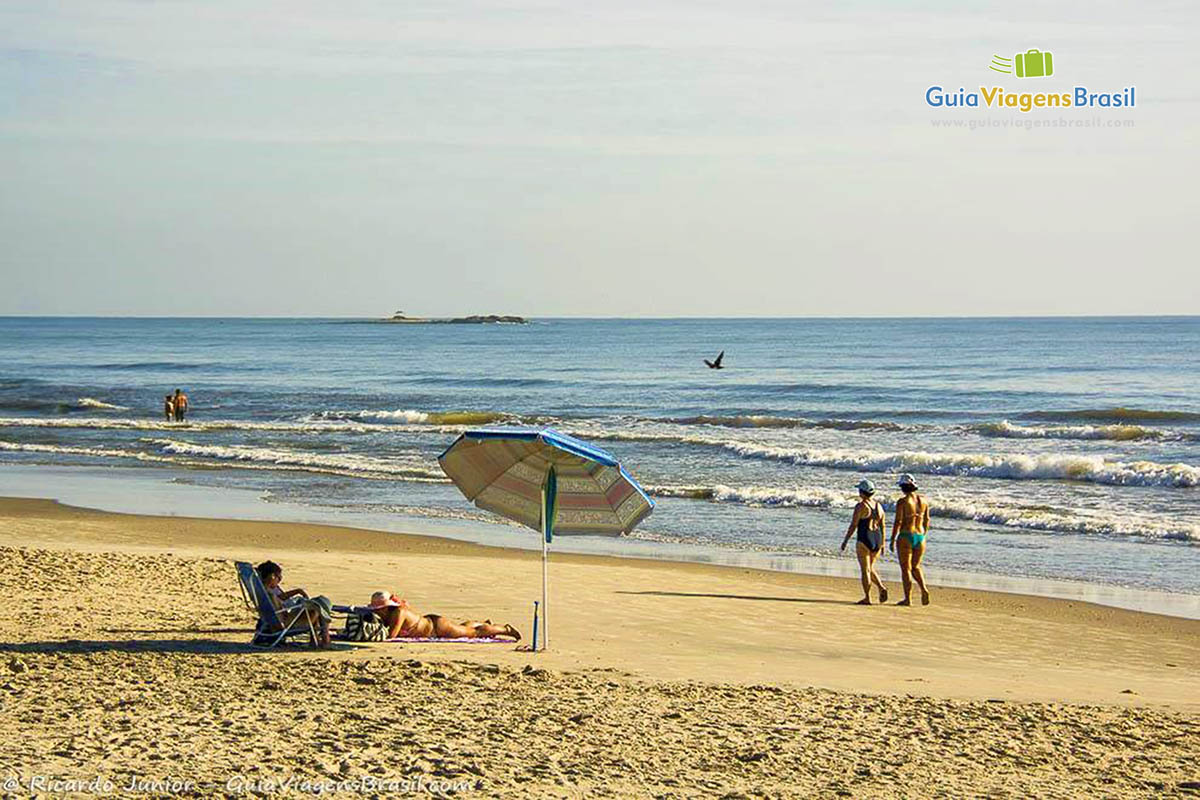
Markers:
point(623, 158)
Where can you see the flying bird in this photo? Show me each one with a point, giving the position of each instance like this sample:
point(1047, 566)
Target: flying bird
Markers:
point(717, 363)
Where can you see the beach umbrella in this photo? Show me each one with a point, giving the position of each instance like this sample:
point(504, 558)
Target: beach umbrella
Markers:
point(547, 481)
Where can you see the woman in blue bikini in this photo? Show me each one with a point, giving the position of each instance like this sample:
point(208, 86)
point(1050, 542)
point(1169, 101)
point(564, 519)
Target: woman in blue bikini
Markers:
point(910, 526)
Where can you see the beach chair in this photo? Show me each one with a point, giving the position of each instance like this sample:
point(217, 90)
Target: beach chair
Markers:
point(270, 630)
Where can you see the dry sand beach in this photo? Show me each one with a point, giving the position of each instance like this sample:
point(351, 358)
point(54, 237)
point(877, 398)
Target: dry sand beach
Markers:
point(125, 657)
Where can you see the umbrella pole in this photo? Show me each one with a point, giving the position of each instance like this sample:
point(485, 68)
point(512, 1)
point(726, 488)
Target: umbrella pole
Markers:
point(545, 629)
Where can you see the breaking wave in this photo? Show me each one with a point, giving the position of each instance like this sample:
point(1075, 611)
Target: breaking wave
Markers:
point(342, 463)
point(414, 417)
point(1084, 468)
point(91, 402)
point(307, 424)
point(122, 423)
point(755, 496)
point(186, 454)
point(1118, 433)
point(769, 421)
point(1035, 519)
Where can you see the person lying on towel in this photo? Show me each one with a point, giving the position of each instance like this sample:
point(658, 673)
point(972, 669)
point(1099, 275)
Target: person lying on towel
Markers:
point(405, 623)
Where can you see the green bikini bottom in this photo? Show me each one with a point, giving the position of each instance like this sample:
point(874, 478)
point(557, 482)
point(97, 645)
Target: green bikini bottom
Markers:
point(915, 539)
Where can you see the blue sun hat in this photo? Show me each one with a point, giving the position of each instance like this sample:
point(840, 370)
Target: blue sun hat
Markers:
point(866, 487)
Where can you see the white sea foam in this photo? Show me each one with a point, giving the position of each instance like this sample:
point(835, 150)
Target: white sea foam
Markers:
point(755, 495)
point(415, 417)
point(399, 415)
point(197, 426)
point(1077, 467)
point(341, 462)
point(1085, 468)
point(1040, 518)
point(1017, 466)
point(771, 421)
point(947, 506)
point(1120, 433)
point(104, 452)
point(186, 454)
point(91, 402)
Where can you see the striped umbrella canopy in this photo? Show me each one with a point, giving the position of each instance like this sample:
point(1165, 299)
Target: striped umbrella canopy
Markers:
point(507, 470)
point(547, 481)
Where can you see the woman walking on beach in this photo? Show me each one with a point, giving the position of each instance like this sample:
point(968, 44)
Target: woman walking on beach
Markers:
point(868, 522)
point(911, 525)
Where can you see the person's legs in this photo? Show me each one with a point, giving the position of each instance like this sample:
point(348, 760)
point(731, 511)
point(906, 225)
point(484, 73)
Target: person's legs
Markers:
point(445, 629)
point(486, 630)
point(875, 576)
point(919, 574)
point(864, 571)
point(904, 556)
point(319, 624)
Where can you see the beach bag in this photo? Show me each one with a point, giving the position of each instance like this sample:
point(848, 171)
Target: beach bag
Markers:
point(364, 626)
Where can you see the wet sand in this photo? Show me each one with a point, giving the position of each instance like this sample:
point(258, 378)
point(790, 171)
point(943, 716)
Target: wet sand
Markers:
point(124, 649)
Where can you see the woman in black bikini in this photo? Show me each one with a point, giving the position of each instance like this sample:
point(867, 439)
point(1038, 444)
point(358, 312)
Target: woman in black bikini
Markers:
point(404, 622)
point(868, 522)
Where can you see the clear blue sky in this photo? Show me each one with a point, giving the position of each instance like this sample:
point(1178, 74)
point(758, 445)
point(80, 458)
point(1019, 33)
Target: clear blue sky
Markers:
point(622, 158)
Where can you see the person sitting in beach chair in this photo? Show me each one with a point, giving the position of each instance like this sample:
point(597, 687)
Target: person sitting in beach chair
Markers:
point(403, 622)
point(291, 607)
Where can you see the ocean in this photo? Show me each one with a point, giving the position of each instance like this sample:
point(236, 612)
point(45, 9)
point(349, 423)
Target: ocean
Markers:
point(1051, 448)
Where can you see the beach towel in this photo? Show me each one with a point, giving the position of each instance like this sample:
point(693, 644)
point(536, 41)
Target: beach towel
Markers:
point(355, 611)
point(464, 640)
point(320, 603)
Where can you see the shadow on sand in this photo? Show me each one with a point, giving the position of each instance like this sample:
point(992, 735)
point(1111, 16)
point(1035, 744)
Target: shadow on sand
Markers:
point(187, 646)
point(246, 631)
point(746, 597)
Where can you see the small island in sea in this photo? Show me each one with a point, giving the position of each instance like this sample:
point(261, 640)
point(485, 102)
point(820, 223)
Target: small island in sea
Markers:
point(474, 319)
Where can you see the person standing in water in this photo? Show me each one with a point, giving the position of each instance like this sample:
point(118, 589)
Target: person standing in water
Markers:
point(868, 523)
point(910, 527)
point(169, 408)
point(181, 405)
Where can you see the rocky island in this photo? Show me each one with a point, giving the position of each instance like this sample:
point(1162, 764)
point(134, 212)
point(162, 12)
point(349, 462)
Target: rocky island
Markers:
point(474, 319)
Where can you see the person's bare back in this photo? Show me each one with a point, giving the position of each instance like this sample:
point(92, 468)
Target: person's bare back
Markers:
point(912, 514)
point(180, 404)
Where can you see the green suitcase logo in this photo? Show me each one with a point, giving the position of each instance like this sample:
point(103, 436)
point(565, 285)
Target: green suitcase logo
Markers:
point(1035, 64)
point(1030, 64)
